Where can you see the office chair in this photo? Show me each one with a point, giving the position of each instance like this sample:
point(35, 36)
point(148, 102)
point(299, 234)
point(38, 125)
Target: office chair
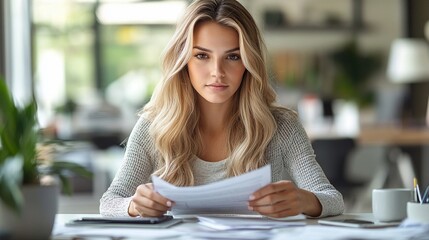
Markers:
point(332, 155)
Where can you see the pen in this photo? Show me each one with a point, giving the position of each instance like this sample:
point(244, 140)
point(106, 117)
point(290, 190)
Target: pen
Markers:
point(418, 194)
point(425, 195)
point(417, 191)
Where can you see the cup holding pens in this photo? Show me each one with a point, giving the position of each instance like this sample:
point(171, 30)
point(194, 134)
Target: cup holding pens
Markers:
point(418, 212)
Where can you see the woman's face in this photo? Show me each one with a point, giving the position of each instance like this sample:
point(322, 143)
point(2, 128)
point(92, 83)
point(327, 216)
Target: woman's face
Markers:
point(215, 68)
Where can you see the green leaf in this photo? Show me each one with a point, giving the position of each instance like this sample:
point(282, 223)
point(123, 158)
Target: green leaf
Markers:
point(8, 120)
point(61, 166)
point(10, 182)
point(19, 136)
point(65, 183)
point(6, 102)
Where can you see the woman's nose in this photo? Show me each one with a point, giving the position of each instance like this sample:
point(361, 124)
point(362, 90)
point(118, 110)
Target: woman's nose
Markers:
point(218, 69)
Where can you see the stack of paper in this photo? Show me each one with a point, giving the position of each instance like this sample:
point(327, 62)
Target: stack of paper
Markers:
point(318, 232)
point(227, 196)
point(254, 223)
point(228, 235)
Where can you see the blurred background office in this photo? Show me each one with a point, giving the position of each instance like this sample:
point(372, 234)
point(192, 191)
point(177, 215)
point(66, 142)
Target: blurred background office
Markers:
point(356, 71)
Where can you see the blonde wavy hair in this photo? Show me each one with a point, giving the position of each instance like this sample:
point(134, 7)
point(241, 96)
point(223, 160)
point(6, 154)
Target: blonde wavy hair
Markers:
point(173, 109)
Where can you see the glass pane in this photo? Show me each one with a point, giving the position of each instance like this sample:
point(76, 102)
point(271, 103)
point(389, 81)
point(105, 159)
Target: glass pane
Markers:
point(81, 64)
point(63, 40)
point(131, 61)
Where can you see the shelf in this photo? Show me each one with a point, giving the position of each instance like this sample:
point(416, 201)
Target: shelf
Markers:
point(350, 20)
point(316, 28)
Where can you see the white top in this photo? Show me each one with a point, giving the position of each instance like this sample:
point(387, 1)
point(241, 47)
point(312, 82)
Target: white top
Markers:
point(208, 172)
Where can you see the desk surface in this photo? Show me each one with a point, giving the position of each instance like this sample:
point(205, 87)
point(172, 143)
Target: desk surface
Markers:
point(189, 229)
point(379, 135)
point(394, 135)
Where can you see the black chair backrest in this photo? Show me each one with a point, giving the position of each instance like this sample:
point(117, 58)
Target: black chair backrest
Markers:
point(331, 154)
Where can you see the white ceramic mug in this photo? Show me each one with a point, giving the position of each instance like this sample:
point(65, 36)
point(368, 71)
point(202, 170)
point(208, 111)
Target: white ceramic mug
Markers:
point(390, 204)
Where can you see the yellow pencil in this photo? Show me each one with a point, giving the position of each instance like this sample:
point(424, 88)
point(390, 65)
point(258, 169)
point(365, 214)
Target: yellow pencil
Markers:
point(417, 196)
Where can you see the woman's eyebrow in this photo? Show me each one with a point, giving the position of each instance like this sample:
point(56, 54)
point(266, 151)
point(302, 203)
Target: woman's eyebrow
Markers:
point(208, 50)
point(233, 50)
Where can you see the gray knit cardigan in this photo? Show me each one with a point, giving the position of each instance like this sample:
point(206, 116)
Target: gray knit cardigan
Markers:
point(289, 152)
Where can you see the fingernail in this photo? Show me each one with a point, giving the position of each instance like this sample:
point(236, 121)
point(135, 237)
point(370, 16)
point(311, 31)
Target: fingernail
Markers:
point(168, 203)
point(251, 197)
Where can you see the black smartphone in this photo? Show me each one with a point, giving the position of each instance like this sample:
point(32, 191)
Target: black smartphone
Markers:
point(127, 220)
point(357, 223)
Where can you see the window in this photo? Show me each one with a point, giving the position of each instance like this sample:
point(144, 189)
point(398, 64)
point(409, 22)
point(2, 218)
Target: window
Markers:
point(86, 52)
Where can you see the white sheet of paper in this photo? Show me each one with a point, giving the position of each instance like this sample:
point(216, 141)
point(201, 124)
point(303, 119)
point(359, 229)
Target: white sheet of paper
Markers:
point(228, 235)
point(92, 232)
point(226, 196)
point(240, 223)
point(317, 232)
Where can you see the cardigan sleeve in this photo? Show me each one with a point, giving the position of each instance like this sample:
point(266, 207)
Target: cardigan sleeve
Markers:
point(136, 168)
point(300, 163)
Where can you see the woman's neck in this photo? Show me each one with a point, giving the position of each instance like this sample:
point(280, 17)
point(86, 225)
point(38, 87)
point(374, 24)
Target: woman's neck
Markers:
point(214, 117)
point(213, 123)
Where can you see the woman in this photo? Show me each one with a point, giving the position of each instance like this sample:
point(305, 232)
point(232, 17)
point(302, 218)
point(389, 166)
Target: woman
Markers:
point(214, 116)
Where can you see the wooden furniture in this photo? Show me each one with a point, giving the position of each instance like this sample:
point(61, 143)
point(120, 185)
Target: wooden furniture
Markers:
point(398, 139)
point(394, 135)
point(407, 155)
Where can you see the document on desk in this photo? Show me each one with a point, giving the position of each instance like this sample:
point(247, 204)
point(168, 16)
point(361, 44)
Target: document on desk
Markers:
point(319, 232)
point(229, 196)
point(240, 223)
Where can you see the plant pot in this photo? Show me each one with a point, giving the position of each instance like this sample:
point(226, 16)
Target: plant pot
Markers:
point(37, 217)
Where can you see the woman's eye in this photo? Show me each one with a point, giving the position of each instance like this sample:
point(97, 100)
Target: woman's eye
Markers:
point(234, 57)
point(201, 56)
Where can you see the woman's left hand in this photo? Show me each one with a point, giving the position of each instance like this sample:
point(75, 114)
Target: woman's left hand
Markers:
point(282, 199)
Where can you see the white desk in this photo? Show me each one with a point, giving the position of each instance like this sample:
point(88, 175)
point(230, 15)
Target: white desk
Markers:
point(183, 231)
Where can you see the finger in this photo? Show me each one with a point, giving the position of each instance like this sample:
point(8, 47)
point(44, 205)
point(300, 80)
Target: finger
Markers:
point(150, 199)
point(270, 208)
point(277, 210)
point(282, 214)
point(141, 201)
point(148, 212)
point(270, 188)
point(291, 205)
point(269, 200)
point(149, 185)
point(267, 209)
point(146, 191)
point(289, 195)
point(273, 193)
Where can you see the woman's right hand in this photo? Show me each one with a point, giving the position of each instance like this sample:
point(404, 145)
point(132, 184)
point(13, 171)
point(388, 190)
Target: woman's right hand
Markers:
point(148, 203)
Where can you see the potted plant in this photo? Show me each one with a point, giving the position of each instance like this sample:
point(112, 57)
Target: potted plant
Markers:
point(28, 203)
point(354, 69)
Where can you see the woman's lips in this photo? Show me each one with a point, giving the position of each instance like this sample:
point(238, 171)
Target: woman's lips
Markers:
point(217, 86)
